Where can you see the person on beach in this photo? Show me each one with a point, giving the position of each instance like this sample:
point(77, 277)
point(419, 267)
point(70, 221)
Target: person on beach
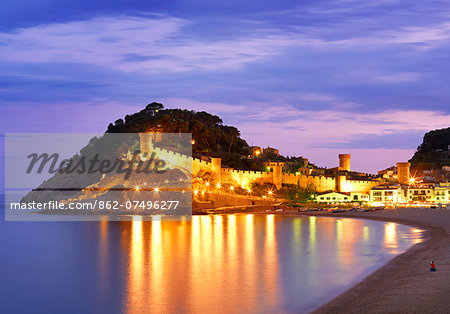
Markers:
point(433, 266)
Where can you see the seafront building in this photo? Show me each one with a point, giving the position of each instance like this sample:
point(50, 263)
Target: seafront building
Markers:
point(387, 194)
point(392, 194)
point(342, 197)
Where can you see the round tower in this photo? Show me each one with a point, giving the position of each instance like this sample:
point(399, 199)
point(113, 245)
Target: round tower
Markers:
point(403, 173)
point(344, 162)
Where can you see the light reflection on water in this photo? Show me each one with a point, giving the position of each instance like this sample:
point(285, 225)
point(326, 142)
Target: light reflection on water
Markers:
point(234, 263)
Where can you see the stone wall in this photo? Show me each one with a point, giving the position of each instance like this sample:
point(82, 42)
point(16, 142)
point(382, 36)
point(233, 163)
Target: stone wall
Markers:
point(245, 178)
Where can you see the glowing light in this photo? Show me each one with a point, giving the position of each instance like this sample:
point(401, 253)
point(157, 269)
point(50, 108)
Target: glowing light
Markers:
point(297, 173)
point(231, 187)
point(156, 190)
point(195, 192)
point(412, 180)
point(137, 188)
point(249, 191)
point(193, 142)
point(270, 192)
point(207, 183)
point(218, 185)
point(258, 152)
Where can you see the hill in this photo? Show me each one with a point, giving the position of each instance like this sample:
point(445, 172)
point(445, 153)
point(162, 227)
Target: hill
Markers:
point(211, 137)
point(434, 149)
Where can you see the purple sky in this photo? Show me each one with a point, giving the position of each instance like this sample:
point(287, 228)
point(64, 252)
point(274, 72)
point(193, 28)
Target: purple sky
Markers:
point(313, 79)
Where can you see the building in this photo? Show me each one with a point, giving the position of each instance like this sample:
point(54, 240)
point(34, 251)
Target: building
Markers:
point(341, 197)
point(333, 197)
point(389, 173)
point(269, 165)
point(442, 193)
point(420, 194)
point(255, 151)
point(387, 194)
point(269, 151)
point(423, 193)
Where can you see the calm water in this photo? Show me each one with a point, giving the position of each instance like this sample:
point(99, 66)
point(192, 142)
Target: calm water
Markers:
point(236, 263)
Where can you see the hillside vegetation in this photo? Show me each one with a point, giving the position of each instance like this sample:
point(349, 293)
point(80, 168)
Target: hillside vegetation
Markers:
point(434, 148)
point(211, 137)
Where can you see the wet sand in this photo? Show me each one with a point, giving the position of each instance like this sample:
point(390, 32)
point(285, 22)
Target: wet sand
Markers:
point(405, 284)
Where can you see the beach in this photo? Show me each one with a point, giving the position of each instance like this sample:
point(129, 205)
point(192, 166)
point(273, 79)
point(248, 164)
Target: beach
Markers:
point(405, 284)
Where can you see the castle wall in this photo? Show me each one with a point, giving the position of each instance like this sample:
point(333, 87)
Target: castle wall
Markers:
point(359, 186)
point(245, 178)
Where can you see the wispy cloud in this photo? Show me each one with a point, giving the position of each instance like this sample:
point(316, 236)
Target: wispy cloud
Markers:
point(158, 43)
point(150, 44)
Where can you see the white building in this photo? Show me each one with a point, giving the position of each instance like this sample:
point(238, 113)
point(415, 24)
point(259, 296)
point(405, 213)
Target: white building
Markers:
point(340, 197)
point(387, 194)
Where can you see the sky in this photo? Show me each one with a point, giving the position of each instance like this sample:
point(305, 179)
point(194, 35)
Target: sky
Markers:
point(311, 78)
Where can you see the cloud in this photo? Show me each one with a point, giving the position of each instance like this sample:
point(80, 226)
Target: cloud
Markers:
point(157, 43)
point(150, 44)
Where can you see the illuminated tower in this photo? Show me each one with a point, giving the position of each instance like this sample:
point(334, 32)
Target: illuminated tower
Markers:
point(145, 143)
point(277, 175)
point(403, 174)
point(344, 162)
point(341, 183)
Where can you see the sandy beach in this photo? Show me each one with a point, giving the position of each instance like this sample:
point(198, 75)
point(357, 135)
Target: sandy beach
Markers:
point(405, 284)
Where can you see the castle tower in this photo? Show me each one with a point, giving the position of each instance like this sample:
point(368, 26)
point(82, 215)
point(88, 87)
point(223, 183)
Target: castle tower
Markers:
point(403, 173)
point(341, 182)
point(216, 168)
point(145, 140)
point(344, 162)
point(277, 176)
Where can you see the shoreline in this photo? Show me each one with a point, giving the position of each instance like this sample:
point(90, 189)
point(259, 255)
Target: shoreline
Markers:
point(404, 283)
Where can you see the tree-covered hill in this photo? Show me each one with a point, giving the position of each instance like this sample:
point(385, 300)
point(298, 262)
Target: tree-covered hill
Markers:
point(434, 148)
point(211, 137)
